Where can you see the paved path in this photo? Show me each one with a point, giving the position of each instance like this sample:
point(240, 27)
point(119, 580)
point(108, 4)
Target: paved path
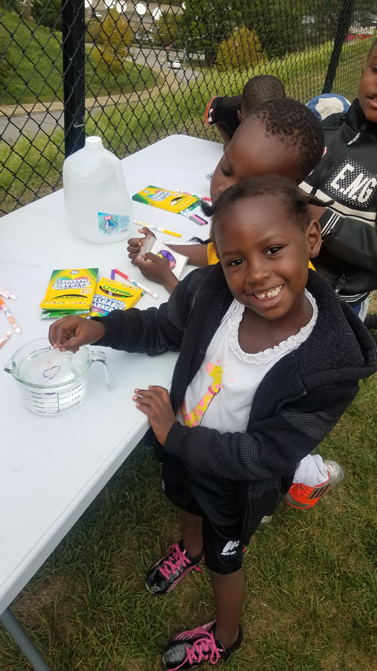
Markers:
point(16, 120)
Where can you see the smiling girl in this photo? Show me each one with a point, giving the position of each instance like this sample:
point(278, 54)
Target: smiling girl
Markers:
point(269, 360)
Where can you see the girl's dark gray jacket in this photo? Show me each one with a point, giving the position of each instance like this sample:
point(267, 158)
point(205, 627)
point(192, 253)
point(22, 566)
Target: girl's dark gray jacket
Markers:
point(297, 403)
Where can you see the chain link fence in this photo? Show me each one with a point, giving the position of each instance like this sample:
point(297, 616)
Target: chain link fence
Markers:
point(134, 71)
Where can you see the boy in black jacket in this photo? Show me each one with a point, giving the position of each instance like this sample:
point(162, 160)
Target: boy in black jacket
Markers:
point(282, 357)
point(347, 174)
point(227, 112)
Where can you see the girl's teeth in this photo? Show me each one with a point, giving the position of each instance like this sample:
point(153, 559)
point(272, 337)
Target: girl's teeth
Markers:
point(269, 294)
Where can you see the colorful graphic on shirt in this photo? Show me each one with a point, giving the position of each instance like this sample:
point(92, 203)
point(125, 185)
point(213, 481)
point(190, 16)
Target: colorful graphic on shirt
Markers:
point(194, 417)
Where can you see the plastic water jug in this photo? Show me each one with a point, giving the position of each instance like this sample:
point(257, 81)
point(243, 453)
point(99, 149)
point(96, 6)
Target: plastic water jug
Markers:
point(98, 207)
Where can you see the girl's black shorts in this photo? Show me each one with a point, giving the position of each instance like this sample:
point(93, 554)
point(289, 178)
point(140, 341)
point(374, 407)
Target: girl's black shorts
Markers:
point(215, 499)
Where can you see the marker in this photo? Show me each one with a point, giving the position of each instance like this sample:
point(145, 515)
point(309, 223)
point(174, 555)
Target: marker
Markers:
point(10, 318)
point(189, 214)
point(7, 294)
point(156, 228)
point(5, 338)
point(112, 274)
point(136, 284)
point(188, 193)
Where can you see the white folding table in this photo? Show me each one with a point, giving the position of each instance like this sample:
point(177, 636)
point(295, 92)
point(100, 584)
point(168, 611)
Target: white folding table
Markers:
point(52, 468)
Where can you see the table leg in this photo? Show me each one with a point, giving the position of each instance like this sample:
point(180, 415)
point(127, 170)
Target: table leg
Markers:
point(14, 628)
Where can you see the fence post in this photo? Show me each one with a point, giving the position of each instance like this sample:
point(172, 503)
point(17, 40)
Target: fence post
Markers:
point(73, 20)
point(344, 22)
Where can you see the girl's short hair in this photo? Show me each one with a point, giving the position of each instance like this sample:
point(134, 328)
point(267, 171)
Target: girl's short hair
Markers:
point(295, 202)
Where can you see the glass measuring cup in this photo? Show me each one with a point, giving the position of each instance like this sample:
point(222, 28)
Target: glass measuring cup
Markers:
point(51, 382)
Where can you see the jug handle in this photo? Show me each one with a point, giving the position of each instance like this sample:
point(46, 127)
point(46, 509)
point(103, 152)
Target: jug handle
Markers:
point(102, 358)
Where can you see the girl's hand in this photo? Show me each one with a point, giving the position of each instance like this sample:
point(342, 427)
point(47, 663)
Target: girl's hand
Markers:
point(157, 270)
point(155, 403)
point(69, 333)
point(135, 244)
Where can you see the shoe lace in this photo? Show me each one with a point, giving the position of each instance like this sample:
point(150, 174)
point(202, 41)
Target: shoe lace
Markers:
point(176, 561)
point(203, 650)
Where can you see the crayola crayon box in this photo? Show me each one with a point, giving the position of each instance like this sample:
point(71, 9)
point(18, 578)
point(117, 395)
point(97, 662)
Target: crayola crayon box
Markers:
point(112, 295)
point(172, 201)
point(69, 291)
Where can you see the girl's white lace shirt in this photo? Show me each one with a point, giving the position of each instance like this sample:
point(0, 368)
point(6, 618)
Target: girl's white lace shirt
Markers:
point(233, 318)
point(221, 394)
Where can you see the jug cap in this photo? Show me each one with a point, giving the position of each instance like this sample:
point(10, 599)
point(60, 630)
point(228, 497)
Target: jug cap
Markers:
point(93, 143)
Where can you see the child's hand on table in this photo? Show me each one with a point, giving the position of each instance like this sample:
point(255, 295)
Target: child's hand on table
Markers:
point(69, 333)
point(134, 244)
point(154, 268)
point(155, 403)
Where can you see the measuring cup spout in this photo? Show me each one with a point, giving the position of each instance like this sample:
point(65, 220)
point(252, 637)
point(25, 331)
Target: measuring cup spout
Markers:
point(102, 358)
point(9, 367)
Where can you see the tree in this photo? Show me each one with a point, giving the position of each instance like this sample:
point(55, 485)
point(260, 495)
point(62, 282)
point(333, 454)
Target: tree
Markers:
point(93, 29)
point(205, 24)
point(113, 42)
point(325, 15)
point(294, 25)
point(47, 13)
point(241, 51)
point(6, 68)
point(278, 25)
point(15, 5)
point(167, 31)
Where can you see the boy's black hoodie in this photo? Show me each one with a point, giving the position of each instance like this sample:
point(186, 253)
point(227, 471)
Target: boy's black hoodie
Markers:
point(297, 403)
point(347, 174)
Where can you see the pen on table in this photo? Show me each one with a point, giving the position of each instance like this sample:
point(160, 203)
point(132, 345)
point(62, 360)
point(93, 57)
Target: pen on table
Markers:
point(156, 228)
point(189, 214)
point(113, 273)
point(188, 193)
point(136, 284)
point(7, 294)
point(10, 318)
point(5, 338)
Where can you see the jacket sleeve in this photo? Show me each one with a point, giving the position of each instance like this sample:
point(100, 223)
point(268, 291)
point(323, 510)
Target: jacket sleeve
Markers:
point(210, 116)
point(350, 240)
point(155, 330)
point(272, 447)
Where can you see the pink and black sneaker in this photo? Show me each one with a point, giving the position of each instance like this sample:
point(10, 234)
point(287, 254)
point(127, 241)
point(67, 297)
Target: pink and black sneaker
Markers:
point(196, 646)
point(169, 570)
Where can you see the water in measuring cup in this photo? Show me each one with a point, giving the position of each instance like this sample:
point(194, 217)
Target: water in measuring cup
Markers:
point(44, 371)
point(51, 401)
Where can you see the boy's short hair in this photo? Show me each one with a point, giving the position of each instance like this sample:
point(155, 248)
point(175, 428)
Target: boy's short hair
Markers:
point(294, 125)
point(260, 89)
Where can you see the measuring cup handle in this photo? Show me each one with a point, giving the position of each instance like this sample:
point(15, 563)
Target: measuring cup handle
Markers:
point(102, 358)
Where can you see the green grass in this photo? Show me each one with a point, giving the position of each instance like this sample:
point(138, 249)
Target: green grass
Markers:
point(303, 74)
point(311, 575)
point(36, 59)
point(34, 166)
point(312, 592)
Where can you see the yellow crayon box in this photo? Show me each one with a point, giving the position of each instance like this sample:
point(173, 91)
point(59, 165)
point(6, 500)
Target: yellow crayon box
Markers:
point(172, 201)
point(112, 295)
point(71, 289)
